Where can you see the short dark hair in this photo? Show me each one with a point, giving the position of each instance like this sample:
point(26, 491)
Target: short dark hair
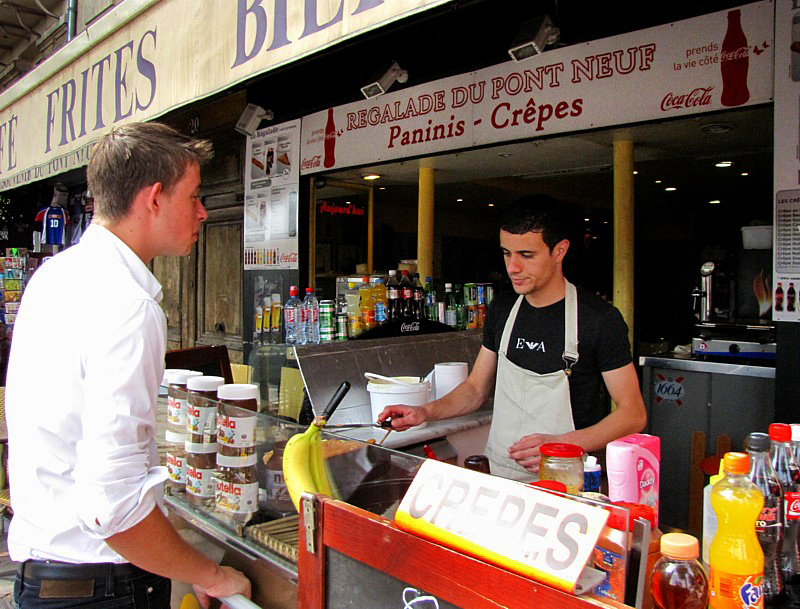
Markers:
point(538, 214)
point(135, 156)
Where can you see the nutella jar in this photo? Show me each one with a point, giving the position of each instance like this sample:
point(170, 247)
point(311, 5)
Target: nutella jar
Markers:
point(236, 419)
point(176, 460)
point(201, 419)
point(201, 473)
point(278, 501)
point(176, 398)
point(237, 487)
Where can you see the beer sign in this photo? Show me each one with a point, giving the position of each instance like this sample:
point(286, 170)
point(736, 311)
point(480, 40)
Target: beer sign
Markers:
point(543, 536)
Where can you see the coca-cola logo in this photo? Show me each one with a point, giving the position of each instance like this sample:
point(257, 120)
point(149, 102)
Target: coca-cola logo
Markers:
point(700, 96)
point(410, 327)
point(314, 161)
point(794, 508)
point(739, 53)
point(289, 257)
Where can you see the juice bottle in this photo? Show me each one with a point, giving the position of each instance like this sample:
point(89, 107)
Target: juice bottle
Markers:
point(379, 299)
point(679, 580)
point(366, 305)
point(737, 562)
point(354, 325)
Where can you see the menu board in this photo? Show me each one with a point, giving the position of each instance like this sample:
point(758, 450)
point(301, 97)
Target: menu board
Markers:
point(270, 198)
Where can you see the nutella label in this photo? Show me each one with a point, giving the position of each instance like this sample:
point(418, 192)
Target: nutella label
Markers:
point(200, 482)
point(276, 486)
point(201, 419)
point(176, 411)
point(176, 468)
point(239, 432)
point(236, 498)
point(792, 505)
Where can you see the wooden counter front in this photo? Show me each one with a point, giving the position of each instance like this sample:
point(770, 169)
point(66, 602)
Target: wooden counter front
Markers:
point(361, 559)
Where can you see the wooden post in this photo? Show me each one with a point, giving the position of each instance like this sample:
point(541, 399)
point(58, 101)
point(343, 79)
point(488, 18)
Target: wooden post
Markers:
point(312, 235)
point(370, 231)
point(425, 223)
point(623, 232)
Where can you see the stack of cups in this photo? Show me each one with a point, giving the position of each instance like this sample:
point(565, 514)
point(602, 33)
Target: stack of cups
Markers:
point(175, 434)
point(237, 477)
point(201, 441)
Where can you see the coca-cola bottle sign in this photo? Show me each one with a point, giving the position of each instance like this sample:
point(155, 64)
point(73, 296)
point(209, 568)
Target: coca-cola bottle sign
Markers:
point(734, 62)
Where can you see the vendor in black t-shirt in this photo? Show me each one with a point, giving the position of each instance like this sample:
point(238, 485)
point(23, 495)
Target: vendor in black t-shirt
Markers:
point(546, 349)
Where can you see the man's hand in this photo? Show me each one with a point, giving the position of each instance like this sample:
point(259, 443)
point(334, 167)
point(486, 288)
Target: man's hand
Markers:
point(403, 417)
point(229, 582)
point(525, 451)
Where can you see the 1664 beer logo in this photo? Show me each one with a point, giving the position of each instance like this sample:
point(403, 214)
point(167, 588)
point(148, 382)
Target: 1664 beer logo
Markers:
point(669, 389)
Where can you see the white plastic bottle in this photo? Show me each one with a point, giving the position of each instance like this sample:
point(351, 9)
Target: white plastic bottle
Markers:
point(311, 317)
point(293, 319)
point(709, 515)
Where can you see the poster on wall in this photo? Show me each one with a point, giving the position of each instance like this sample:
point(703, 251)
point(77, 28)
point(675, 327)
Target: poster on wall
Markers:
point(270, 198)
point(786, 219)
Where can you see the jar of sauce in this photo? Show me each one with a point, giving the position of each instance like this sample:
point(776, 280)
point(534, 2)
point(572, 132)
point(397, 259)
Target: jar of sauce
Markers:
point(201, 473)
point(563, 463)
point(177, 398)
point(236, 419)
point(278, 500)
point(176, 460)
point(201, 419)
point(236, 492)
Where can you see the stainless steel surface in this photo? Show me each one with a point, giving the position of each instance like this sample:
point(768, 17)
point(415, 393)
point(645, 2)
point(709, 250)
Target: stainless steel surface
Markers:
point(696, 365)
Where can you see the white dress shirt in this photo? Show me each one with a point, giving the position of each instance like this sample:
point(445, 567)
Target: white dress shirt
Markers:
point(87, 357)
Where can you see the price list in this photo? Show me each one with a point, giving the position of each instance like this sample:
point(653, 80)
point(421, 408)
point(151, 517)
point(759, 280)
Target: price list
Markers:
point(787, 232)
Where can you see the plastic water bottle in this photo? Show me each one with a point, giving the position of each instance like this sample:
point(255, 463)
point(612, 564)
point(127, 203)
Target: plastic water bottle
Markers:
point(293, 319)
point(311, 317)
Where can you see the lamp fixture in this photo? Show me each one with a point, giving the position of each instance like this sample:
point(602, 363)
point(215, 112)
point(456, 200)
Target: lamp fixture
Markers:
point(533, 36)
point(724, 164)
point(670, 189)
point(744, 173)
point(370, 176)
point(394, 74)
point(714, 202)
point(716, 128)
point(251, 118)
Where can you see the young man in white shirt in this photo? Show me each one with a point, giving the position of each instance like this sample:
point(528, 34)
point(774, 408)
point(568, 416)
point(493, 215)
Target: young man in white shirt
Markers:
point(89, 525)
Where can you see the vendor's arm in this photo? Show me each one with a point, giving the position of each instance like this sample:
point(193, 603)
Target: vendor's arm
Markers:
point(464, 399)
point(629, 417)
point(154, 545)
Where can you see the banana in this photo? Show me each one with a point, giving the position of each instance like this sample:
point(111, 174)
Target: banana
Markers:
point(297, 464)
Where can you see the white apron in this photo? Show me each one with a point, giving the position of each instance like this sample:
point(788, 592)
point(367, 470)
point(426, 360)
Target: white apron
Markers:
point(526, 402)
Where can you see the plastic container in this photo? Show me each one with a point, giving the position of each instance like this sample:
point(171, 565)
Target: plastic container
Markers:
point(379, 300)
point(737, 562)
point(679, 580)
point(293, 319)
point(709, 515)
point(311, 317)
point(757, 237)
point(591, 475)
point(563, 463)
point(385, 393)
point(366, 304)
point(632, 467)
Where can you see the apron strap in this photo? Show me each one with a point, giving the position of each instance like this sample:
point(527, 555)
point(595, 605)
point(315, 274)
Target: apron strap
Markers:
point(570, 355)
point(512, 317)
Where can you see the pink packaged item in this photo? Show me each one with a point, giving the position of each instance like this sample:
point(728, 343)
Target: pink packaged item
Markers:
point(632, 466)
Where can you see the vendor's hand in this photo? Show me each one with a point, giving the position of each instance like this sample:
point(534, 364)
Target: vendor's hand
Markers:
point(525, 451)
point(229, 582)
point(403, 417)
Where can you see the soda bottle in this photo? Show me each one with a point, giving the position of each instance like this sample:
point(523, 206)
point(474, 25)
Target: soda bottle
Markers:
point(737, 562)
point(394, 307)
point(734, 62)
point(796, 441)
point(311, 316)
point(788, 475)
point(769, 526)
point(679, 580)
point(379, 300)
point(293, 319)
point(330, 141)
point(461, 308)
point(450, 316)
point(418, 310)
point(791, 297)
point(275, 319)
point(779, 297)
point(354, 320)
point(366, 305)
point(431, 311)
point(406, 296)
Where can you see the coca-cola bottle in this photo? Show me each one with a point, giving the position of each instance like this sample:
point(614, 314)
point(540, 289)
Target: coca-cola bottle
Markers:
point(791, 297)
point(394, 309)
point(734, 62)
point(407, 296)
point(770, 523)
point(419, 298)
point(779, 297)
point(788, 475)
point(330, 141)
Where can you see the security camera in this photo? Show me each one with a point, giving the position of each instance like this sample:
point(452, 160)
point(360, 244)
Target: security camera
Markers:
point(251, 118)
point(394, 74)
point(533, 36)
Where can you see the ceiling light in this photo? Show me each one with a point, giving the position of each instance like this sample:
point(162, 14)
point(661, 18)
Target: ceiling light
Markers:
point(347, 202)
point(744, 173)
point(716, 128)
point(658, 181)
point(724, 164)
point(504, 155)
point(382, 188)
point(370, 176)
point(714, 202)
point(670, 188)
point(586, 219)
point(635, 172)
point(491, 204)
point(459, 200)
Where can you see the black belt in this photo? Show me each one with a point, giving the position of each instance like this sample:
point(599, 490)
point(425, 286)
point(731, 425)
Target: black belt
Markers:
point(52, 569)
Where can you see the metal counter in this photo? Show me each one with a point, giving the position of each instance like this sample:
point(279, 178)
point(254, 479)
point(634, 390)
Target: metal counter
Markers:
point(696, 365)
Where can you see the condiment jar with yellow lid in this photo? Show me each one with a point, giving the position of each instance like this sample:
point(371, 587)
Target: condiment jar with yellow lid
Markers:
point(563, 463)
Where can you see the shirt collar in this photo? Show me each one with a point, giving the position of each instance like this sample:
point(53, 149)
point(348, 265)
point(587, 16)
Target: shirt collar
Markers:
point(99, 235)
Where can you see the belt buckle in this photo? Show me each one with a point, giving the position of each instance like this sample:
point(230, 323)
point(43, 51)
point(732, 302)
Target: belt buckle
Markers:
point(66, 588)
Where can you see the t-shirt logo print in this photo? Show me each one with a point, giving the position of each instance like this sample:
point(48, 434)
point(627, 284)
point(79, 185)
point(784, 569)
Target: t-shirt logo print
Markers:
point(532, 345)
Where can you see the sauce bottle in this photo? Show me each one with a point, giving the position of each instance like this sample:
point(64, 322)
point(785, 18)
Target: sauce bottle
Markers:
point(679, 580)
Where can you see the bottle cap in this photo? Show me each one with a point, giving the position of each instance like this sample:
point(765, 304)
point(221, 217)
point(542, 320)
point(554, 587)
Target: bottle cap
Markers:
point(293, 290)
point(179, 377)
point(780, 432)
point(365, 279)
point(237, 391)
point(276, 298)
point(560, 449)
point(448, 286)
point(427, 279)
point(309, 290)
point(392, 273)
point(758, 442)
point(680, 545)
point(736, 463)
point(795, 432)
point(404, 272)
point(204, 383)
point(591, 464)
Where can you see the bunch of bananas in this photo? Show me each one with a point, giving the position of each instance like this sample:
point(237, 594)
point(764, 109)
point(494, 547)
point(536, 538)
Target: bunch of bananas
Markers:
point(304, 467)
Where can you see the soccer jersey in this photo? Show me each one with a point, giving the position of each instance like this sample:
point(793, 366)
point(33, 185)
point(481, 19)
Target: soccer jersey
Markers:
point(54, 222)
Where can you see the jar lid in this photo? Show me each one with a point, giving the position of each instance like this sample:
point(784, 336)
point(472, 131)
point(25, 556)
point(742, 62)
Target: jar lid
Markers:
point(549, 485)
point(174, 436)
point(199, 448)
point(204, 383)
point(228, 461)
point(237, 391)
point(179, 377)
point(680, 545)
point(167, 372)
point(780, 432)
point(559, 449)
point(795, 432)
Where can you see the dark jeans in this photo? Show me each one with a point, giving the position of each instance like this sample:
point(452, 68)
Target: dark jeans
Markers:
point(54, 585)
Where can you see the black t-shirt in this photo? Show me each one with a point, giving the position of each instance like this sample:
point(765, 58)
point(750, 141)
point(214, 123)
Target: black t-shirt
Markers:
point(537, 344)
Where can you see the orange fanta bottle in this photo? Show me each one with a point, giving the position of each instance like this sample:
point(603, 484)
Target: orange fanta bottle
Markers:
point(737, 562)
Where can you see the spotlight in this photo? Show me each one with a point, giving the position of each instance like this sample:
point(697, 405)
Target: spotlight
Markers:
point(380, 86)
point(533, 36)
point(251, 118)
